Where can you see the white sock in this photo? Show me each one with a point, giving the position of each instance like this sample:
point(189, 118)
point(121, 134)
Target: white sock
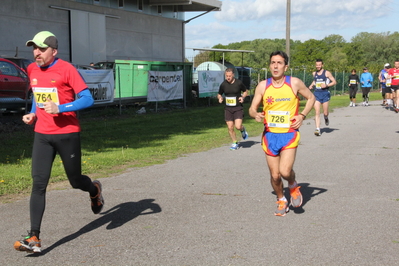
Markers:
point(293, 185)
point(283, 199)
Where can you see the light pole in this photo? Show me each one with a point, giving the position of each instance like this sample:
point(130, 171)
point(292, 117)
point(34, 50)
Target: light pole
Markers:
point(287, 30)
point(265, 69)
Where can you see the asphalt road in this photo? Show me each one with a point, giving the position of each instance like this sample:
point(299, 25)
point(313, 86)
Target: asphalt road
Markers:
point(216, 207)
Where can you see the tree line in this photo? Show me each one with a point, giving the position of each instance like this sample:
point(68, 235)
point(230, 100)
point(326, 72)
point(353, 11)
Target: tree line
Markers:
point(366, 49)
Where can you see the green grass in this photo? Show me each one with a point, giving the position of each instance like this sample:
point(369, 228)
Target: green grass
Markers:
point(111, 143)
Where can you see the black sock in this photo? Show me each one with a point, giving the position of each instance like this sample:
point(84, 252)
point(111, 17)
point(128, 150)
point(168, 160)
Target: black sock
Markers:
point(93, 190)
point(35, 233)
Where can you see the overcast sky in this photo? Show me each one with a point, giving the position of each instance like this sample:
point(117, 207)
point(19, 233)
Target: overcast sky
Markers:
point(242, 20)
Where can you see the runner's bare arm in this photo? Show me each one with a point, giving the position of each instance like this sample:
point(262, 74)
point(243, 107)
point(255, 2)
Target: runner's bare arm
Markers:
point(331, 78)
point(243, 96)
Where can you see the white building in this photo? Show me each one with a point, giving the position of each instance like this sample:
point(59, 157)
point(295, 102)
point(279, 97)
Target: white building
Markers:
point(101, 30)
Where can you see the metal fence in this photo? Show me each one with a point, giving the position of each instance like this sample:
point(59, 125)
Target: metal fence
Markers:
point(257, 75)
point(342, 86)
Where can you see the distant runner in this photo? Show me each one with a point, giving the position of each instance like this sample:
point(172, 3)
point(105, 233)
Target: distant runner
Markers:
point(366, 82)
point(322, 81)
point(232, 88)
point(353, 85)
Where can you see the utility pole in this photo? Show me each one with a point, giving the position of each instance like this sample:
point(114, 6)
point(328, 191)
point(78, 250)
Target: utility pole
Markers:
point(288, 29)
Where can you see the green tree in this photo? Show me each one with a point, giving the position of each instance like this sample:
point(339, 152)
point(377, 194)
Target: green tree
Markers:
point(201, 57)
point(308, 52)
point(334, 40)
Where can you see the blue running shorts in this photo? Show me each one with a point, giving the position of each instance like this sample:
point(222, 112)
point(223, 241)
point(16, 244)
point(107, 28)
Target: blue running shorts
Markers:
point(274, 143)
point(322, 96)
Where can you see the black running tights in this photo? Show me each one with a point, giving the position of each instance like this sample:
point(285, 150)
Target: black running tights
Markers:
point(45, 147)
point(365, 92)
point(352, 92)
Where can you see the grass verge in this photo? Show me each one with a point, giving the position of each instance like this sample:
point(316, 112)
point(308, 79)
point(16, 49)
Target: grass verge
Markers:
point(111, 143)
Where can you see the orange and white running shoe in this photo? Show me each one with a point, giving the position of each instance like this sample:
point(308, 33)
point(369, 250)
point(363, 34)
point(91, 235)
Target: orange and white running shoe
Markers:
point(282, 208)
point(30, 244)
point(296, 197)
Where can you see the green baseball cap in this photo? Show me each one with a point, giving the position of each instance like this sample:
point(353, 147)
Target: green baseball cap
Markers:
point(44, 39)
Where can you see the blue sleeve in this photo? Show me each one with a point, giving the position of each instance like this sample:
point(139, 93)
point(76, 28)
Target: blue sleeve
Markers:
point(362, 78)
point(33, 109)
point(84, 100)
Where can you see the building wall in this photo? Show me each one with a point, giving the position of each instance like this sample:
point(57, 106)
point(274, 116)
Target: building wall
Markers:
point(129, 34)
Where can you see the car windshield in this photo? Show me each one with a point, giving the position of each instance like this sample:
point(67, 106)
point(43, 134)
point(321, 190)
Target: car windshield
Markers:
point(104, 65)
point(8, 69)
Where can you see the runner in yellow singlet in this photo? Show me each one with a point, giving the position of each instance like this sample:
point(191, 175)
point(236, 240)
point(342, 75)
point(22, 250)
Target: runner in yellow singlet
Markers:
point(282, 119)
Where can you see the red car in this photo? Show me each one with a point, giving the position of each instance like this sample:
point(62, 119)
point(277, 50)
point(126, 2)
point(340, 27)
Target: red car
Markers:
point(14, 83)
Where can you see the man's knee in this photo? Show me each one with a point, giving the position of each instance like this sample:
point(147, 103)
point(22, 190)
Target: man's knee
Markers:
point(230, 125)
point(275, 178)
point(286, 173)
point(39, 186)
point(238, 127)
point(80, 182)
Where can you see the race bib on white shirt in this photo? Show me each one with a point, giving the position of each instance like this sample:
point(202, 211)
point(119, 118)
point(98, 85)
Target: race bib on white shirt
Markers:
point(231, 101)
point(42, 94)
point(319, 82)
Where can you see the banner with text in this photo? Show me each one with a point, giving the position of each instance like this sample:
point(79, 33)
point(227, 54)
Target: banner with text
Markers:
point(165, 85)
point(209, 82)
point(100, 83)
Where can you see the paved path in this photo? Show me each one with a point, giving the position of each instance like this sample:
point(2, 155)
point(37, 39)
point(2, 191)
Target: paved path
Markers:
point(216, 207)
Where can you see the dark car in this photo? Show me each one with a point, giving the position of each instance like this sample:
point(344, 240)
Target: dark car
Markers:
point(21, 62)
point(84, 67)
point(14, 83)
point(104, 65)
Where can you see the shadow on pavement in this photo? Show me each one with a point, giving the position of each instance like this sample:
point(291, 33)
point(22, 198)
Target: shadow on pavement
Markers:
point(116, 217)
point(248, 144)
point(307, 193)
point(327, 130)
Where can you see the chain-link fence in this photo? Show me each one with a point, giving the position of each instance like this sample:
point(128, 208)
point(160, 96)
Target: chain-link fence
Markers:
point(257, 75)
point(342, 78)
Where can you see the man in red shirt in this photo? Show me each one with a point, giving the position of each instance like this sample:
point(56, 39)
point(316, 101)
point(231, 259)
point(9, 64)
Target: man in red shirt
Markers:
point(59, 91)
point(393, 73)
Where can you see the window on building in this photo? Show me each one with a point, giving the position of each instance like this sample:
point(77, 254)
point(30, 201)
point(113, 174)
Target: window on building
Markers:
point(121, 3)
point(140, 3)
point(159, 10)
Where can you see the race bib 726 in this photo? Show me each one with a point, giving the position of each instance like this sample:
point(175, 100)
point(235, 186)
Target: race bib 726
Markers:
point(278, 119)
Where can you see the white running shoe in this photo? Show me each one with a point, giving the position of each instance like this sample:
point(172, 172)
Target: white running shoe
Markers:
point(234, 147)
point(141, 111)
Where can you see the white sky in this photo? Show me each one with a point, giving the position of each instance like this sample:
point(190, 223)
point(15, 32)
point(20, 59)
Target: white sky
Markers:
point(246, 20)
